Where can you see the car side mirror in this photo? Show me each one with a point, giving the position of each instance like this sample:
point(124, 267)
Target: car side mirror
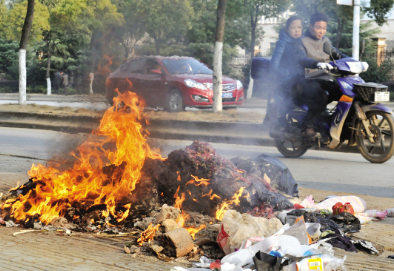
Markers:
point(157, 71)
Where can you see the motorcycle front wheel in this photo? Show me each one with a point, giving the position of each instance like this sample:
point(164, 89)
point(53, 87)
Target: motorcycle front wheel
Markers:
point(381, 125)
point(290, 149)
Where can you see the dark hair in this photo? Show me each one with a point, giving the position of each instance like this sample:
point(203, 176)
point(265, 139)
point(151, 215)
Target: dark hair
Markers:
point(318, 17)
point(292, 19)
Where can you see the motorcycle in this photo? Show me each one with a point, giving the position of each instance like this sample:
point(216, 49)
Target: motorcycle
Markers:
point(358, 118)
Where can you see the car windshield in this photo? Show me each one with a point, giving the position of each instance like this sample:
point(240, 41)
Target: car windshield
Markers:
point(186, 66)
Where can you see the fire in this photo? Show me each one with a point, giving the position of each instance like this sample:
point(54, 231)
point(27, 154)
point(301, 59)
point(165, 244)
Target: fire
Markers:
point(178, 204)
point(86, 183)
point(105, 69)
point(179, 176)
point(223, 207)
point(211, 197)
point(125, 214)
point(198, 182)
point(183, 216)
point(193, 231)
point(148, 234)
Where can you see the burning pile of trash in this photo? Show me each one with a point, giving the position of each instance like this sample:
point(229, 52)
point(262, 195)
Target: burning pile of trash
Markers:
point(195, 205)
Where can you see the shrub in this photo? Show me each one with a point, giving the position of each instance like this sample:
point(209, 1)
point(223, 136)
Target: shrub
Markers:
point(378, 74)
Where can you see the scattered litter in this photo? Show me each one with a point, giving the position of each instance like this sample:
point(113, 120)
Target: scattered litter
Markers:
point(10, 224)
point(237, 227)
point(390, 212)
point(26, 231)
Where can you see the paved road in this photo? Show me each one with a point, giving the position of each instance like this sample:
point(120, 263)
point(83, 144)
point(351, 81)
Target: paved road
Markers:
point(332, 171)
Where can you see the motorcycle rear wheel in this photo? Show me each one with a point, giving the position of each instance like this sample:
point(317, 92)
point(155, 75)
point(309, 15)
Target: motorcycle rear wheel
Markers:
point(290, 149)
point(382, 126)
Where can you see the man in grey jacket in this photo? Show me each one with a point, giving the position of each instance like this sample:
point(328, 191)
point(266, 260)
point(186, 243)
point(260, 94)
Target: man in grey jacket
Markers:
point(315, 92)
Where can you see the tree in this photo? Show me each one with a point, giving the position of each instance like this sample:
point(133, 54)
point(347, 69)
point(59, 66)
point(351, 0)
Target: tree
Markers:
point(95, 18)
point(257, 9)
point(16, 18)
point(378, 10)
point(217, 57)
point(166, 21)
point(133, 30)
point(237, 24)
point(22, 51)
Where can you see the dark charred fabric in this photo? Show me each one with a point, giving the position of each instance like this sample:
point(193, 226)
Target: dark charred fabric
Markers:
point(281, 178)
point(345, 222)
point(200, 160)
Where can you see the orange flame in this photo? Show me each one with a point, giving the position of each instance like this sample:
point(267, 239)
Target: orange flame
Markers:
point(125, 214)
point(178, 204)
point(86, 183)
point(183, 216)
point(224, 206)
point(198, 182)
point(148, 234)
point(105, 69)
point(193, 231)
point(211, 197)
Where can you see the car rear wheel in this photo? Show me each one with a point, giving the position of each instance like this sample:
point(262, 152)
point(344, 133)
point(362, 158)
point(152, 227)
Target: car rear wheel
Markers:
point(174, 101)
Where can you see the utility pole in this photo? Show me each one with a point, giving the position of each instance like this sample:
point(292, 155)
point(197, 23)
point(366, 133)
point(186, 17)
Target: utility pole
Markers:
point(356, 30)
point(217, 57)
point(356, 25)
point(22, 51)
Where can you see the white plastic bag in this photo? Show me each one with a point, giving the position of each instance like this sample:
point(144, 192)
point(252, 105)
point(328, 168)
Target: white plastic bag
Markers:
point(239, 227)
point(284, 244)
point(323, 262)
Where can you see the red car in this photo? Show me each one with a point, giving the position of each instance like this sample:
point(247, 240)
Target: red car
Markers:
point(172, 83)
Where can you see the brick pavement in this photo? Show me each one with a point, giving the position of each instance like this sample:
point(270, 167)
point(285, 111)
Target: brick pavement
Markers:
point(49, 251)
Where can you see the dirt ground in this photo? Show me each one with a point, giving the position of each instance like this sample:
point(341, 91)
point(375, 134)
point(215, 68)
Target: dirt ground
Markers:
point(231, 115)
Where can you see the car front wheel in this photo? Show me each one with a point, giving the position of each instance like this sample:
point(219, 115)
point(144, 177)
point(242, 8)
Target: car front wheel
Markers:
point(174, 101)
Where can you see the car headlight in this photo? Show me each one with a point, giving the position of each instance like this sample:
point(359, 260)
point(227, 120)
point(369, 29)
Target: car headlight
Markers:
point(239, 84)
point(199, 98)
point(193, 84)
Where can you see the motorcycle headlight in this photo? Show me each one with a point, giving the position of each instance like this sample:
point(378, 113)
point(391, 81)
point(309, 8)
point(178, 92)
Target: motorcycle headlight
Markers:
point(365, 66)
point(193, 84)
point(239, 84)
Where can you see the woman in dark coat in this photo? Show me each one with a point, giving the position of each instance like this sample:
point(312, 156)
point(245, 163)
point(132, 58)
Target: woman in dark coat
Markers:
point(287, 68)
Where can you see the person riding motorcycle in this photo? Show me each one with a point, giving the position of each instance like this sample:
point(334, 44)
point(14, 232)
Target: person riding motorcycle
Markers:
point(287, 69)
point(314, 93)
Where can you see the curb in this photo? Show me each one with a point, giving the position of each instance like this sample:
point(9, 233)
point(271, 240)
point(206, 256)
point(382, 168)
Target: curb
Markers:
point(217, 132)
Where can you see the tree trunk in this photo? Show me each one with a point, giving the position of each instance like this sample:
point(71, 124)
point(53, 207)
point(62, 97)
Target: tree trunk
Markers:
point(253, 23)
point(22, 51)
point(49, 89)
point(217, 57)
point(339, 32)
point(157, 46)
point(91, 75)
